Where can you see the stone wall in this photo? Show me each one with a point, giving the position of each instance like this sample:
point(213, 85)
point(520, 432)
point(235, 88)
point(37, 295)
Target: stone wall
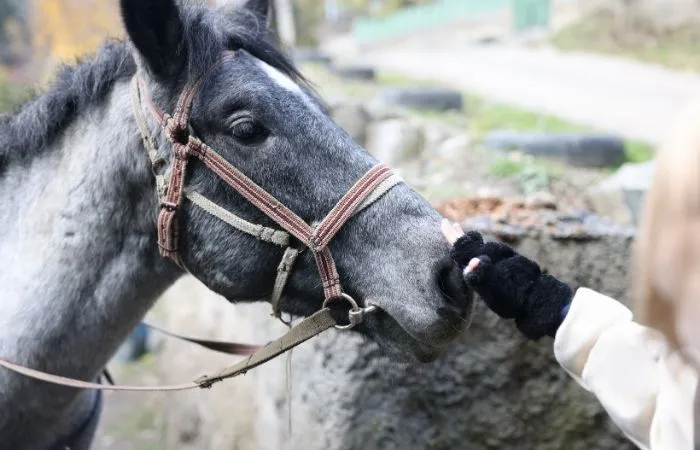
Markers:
point(492, 390)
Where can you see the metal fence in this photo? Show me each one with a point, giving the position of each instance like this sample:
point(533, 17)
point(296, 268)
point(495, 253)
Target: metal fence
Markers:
point(526, 14)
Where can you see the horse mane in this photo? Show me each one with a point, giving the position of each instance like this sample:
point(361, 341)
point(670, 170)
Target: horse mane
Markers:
point(28, 131)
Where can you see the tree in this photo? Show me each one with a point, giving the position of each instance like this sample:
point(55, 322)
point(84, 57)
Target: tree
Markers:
point(66, 29)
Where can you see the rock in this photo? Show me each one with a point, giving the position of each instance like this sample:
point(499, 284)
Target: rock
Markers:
point(492, 390)
point(354, 72)
point(353, 118)
point(621, 196)
point(580, 150)
point(634, 200)
point(541, 200)
point(452, 150)
point(455, 145)
point(395, 141)
point(435, 135)
point(423, 98)
point(379, 112)
point(448, 159)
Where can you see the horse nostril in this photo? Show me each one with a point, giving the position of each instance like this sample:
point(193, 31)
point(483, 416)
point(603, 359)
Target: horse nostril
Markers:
point(449, 281)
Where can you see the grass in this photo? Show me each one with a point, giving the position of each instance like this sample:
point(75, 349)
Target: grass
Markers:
point(484, 116)
point(504, 167)
point(532, 175)
point(638, 151)
point(489, 116)
point(602, 32)
point(142, 419)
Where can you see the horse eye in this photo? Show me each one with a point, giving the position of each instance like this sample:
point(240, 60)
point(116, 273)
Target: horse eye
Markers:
point(248, 131)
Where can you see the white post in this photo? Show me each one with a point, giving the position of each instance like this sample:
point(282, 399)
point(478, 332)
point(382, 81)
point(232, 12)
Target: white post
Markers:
point(285, 22)
point(285, 18)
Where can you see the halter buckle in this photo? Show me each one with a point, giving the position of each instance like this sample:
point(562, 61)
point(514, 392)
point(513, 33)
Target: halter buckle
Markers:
point(356, 315)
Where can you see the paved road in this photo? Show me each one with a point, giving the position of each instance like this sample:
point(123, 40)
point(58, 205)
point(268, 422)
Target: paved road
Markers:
point(636, 100)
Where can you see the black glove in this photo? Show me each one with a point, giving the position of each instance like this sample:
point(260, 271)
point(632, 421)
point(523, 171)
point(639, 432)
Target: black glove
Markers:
point(513, 286)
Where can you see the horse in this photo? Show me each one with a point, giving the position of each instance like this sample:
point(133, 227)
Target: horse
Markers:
point(80, 231)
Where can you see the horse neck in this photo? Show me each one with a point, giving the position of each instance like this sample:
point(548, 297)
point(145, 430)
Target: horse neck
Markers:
point(80, 260)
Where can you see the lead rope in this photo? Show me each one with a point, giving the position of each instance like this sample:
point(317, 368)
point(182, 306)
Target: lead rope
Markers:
point(289, 398)
point(305, 330)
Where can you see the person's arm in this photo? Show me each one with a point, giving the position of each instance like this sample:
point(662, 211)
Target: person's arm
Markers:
point(646, 390)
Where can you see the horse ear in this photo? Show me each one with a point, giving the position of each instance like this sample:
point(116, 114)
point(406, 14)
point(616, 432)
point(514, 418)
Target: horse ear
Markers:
point(260, 8)
point(157, 31)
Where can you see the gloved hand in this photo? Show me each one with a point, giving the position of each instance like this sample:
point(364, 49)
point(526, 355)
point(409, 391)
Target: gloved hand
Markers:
point(513, 286)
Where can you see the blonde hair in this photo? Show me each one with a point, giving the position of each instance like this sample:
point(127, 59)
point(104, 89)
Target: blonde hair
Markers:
point(667, 249)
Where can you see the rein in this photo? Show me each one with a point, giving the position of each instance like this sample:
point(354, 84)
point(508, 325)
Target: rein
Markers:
point(171, 193)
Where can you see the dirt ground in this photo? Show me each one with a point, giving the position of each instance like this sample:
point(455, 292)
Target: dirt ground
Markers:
point(131, 420)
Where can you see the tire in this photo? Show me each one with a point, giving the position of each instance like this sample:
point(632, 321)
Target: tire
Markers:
point(579, 150)
point(425, 98)
point(354, 72)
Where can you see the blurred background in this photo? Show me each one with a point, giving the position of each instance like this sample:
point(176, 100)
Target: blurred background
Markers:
point(592, 83)
point(534, 121)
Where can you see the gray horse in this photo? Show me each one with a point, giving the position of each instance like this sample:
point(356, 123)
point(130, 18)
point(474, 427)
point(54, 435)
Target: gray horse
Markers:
point(80, 261)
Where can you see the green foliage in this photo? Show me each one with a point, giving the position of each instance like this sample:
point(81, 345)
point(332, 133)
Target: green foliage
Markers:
point(532, 175)
point(638, 151)
point(488, 116)
point(11, 94)
point(505, 167)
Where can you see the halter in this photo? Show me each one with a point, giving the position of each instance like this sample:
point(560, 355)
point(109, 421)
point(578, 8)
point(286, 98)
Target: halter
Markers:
point(375, 183)
point(171, 192)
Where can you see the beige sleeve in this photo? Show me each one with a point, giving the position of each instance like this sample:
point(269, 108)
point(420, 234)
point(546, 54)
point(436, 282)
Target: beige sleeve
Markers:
point(647, 390)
